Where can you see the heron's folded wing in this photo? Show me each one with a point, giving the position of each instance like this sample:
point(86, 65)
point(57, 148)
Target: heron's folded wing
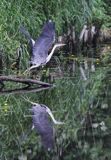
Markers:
point(40, 50)
point(48, 141)
point(45, 129)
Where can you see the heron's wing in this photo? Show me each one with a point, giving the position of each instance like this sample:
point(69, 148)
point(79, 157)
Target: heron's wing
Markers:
point(27, 34)
point(48, 141)
point(45, 129)
point(48, 30)
point(40, 50)
point(43, 44)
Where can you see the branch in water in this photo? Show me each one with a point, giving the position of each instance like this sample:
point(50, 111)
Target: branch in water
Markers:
point(23, 90)
point(27, 89)
point(23, 80)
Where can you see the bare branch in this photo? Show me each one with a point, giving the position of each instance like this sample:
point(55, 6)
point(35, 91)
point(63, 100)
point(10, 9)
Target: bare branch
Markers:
point(23, 80)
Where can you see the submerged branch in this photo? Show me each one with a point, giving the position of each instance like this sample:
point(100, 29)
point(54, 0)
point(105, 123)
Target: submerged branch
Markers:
point(23, 90)
point(27, 89)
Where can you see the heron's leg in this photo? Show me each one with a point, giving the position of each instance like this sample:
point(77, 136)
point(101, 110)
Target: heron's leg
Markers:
point(51, 115)
point(30, 68)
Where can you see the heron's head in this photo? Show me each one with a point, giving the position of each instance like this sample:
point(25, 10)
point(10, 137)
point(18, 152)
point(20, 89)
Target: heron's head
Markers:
point(37, 108)
point(34, 106)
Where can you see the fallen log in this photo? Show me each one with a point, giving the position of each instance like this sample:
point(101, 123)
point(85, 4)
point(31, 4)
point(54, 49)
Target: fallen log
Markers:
point(32, 85)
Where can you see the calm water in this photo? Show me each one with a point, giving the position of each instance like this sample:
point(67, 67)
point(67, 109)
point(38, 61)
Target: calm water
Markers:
point(74, 99)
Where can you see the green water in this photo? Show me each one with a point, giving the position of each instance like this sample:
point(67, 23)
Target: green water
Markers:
point(78, 103)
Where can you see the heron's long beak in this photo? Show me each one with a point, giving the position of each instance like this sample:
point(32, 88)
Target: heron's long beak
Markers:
point(51, 115)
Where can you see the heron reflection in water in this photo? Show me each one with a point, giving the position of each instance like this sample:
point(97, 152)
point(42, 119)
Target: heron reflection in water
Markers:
point(41, 47)
point(42, 124)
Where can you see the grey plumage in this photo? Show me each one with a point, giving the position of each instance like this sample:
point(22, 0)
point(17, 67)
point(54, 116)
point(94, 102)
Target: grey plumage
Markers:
point(43, 126)
point(41, 46)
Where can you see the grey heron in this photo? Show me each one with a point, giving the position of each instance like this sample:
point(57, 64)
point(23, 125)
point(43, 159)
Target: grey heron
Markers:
point(42, 124)
point(40, 47)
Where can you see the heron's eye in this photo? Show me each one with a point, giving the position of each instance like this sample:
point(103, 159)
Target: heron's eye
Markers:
point(44, 106)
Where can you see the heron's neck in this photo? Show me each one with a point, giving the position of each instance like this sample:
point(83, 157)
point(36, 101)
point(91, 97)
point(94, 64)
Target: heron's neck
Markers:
point(51, 53)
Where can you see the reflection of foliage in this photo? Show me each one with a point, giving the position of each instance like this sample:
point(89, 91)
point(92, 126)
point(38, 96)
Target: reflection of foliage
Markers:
point(82, 105)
